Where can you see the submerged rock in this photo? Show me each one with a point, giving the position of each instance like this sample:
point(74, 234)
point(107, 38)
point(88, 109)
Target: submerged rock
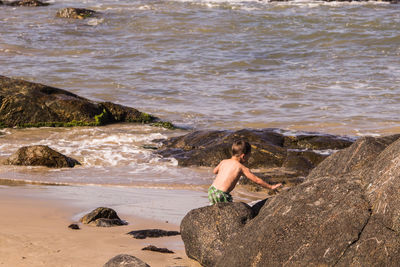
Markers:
point(74, 226)
point(40, 156)
point(281, 156)
point(102, 217)
point(27, 104)
point(27, 3)
point(125, 260)
point(142, 234)
point(346, 213)
point(75, 13)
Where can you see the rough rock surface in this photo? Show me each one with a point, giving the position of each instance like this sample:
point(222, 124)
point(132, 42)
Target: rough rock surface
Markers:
point(157, 249)
point(346, 213)
point(75, 13)
point(125, 260)
point(281, 156)
point(206, 230)
point(102, 217)
point(40, 156)
point(27, 104)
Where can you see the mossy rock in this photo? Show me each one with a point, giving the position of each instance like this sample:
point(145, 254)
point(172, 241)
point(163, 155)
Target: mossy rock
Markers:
point(76, 13)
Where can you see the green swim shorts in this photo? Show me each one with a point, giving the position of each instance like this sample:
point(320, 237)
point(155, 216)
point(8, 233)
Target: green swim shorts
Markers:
point(215, 195)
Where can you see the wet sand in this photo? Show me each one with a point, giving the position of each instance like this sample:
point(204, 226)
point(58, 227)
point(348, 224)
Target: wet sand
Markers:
point(34, 232)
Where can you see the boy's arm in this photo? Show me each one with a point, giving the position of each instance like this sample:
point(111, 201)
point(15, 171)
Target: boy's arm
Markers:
point(258, 180)
point(216, 169)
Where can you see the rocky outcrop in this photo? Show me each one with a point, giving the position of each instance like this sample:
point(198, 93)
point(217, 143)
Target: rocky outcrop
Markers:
point(281, 156)
point(206, 230)
point(75, 13)
point(27, 3)
point(26, 104)
point(102, 217)
point(346, 213)
point(40, 156)
point(157, 249)
point(125, 260)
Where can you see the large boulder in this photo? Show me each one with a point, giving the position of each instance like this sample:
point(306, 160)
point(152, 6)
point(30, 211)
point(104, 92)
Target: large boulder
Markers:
point(40, 156)
point(28, 104)
point(346, 213)
point(205, 230)
point(125, 260)
point(280, 155)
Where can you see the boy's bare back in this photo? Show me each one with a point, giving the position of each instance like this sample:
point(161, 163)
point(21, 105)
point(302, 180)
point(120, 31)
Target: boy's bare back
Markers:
point(228, 173)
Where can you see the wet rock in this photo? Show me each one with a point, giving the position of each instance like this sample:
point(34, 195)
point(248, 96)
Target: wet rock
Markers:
point(103, 217)
point(74, 226)
point(142, 234)
point(206, 230)
point(75, 13)
point(156, 249)
point(125, 260)
point(27, 3)
point(105, 222)
point(26, 104)
point(40, 156)
point(277, 153)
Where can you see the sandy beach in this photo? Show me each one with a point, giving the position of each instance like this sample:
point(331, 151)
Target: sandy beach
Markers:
point(34, 232)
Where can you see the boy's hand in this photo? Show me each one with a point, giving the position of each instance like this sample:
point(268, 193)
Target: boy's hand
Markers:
point(273, 187)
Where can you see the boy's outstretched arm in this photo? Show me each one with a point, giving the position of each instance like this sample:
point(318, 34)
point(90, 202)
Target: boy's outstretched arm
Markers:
point(258, 180)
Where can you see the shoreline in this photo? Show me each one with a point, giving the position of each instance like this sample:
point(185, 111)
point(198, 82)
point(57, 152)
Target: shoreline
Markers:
point(35, 232)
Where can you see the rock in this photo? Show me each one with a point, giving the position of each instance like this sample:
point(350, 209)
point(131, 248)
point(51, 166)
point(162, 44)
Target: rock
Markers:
point(104, 222)
point(103, 217)
point(313, 224)
point(156, 249)
point(75, 13)
point(279, 155)
point(124, 260)
point(142, 234)
point(206, 230)
point(27, 3)
point(40, 156)
point(26, 104)
point(74, 226)
point(346, 213)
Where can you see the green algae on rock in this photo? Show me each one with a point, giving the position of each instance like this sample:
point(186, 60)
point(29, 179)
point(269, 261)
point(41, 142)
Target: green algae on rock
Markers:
point(75, 13)
point(28, 104)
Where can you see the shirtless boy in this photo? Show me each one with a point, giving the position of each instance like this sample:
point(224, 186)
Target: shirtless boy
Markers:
point(229, 171)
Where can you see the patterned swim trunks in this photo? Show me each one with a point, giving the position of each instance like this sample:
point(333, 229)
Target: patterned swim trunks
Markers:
point(215, 195)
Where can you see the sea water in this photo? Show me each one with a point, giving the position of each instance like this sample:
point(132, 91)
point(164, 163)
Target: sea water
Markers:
point(329, 67)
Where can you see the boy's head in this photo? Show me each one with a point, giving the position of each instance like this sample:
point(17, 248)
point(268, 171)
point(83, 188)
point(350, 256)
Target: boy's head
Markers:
point(241, 149)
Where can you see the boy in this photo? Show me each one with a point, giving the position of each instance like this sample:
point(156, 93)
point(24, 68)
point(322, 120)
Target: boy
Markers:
point(229, 171)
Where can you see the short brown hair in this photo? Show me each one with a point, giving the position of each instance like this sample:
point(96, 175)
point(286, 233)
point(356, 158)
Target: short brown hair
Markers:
point(240, 147)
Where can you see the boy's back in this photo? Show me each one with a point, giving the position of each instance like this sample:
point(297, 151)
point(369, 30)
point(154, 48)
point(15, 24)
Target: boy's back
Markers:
point(228, 173)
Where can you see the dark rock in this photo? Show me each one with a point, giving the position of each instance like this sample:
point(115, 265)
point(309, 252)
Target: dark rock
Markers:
point(74, 226)
point(156, 249)
point(124, 260)
point(104, 222)
point(27, 3)
point(27, 104)
point(206, 230)
point(313, 224)
point(358, 156)
point(103, 217)
point(279, 154)
point(142, 234)
point(75, 13)
point(257, 207)
point(40, 156)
